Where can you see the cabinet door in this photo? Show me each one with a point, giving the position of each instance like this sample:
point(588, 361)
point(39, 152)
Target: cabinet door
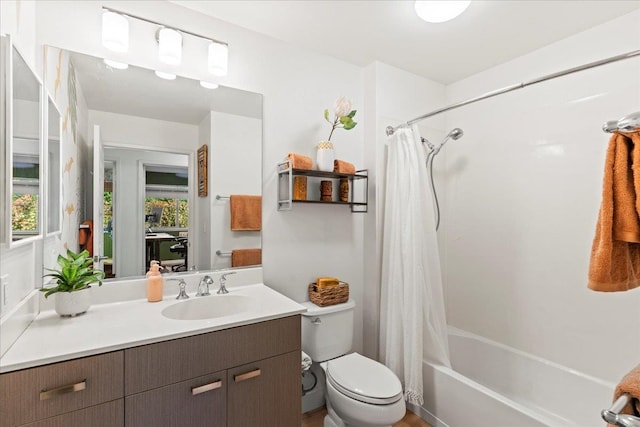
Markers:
point(46, 391)
point(109, 414)
point(265, 393)
point(197, 402)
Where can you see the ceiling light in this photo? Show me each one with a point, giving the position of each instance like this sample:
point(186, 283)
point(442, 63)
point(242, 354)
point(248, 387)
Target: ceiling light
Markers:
point(218, 58)
point(115, 64)
point(208, 85)
point(440, 11)
point(166, 76)
point(169, 46)
point(115, 31)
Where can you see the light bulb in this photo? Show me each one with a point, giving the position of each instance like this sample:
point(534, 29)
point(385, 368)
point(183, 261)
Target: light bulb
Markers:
point(166, 76)
point(169, 46)
point(440, 11)
point(115, 31)
point(115, 64)
point(218, 58)
point(208, 85)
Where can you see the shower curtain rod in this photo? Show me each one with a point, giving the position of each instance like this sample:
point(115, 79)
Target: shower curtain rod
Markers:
point(391, 129)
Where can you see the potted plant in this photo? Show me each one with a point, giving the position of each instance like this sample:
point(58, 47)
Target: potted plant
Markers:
point(73, 281)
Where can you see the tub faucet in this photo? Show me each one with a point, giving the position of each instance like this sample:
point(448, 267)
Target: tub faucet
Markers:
point(223, 280)
point(203, 286)
point(183, 286)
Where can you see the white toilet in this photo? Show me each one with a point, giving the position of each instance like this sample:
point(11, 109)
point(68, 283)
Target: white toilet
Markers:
point(359, 391)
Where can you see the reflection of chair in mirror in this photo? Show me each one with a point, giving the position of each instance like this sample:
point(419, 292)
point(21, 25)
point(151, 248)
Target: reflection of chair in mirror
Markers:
point(180, 248)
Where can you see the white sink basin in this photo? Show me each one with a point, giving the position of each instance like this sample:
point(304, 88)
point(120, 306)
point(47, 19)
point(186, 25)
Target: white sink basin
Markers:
point(209, 307)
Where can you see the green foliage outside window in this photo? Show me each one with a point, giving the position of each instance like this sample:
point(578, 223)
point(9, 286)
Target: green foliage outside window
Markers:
point(24, 212)
point(169, 211)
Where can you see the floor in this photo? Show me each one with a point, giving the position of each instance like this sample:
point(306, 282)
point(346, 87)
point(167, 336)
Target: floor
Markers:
point(315, 418)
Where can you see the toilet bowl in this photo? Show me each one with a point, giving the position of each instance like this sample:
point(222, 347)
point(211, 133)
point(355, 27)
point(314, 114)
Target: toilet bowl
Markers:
point(360, 392)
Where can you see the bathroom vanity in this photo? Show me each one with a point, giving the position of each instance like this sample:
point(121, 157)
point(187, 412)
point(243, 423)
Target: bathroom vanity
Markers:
point(236, 370)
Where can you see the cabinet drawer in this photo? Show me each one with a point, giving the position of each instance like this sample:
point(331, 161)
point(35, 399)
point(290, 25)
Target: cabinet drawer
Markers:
point(194, 403)
point(42, 392)
point(109, 414)
point(265, 393)
point(156, 365)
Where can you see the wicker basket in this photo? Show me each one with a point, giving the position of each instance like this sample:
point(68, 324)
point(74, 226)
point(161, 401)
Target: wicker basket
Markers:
point(329, 296)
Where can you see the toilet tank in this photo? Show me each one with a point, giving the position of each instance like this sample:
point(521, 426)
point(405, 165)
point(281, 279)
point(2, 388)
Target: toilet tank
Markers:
point(327, 332)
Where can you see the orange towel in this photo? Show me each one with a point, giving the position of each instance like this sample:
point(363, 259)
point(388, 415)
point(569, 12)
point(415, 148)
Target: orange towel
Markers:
point(246, 212)
point(85, 236)
point(245, 257)
point(299, 161)
point(615, 254)
point(340, 166)
point(630, 384)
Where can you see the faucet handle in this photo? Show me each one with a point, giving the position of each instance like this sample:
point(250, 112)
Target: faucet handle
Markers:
point(223, 280)
point(203, 286)
point(183, 286)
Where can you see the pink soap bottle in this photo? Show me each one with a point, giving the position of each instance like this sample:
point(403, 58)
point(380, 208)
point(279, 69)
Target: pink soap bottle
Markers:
point(154, 283)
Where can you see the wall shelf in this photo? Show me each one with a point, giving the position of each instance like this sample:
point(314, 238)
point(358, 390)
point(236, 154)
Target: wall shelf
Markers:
point(358, 187)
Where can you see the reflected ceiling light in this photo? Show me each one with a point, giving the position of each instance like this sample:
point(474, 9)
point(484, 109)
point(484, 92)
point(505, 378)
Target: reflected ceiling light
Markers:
point(115, 64)
point(440, 11)
point(115, 31)
point(169, 46)
point(218, 58)
point(208, 85)
point(166, 76)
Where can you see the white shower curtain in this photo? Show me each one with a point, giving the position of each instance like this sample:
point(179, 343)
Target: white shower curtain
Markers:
point(413, 325)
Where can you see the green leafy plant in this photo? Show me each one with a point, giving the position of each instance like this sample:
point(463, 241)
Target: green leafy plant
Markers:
point(343, 116)
point(76, 273)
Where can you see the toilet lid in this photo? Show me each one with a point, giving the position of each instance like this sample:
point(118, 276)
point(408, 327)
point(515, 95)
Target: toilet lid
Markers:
point(364, 379)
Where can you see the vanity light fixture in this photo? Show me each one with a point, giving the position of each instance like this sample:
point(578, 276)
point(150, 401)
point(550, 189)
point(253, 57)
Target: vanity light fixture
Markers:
point(208, 85)
point(115, 36)
point(440, 11)
point(115, 64)
point(166, 76)
point(115, 31)
point(169, 46)
point(218, 58)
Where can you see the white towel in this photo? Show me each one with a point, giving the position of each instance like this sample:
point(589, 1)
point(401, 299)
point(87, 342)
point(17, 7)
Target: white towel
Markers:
point(306, 361)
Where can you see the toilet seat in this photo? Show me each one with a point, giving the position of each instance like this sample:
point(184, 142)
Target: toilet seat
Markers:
point(363, 379)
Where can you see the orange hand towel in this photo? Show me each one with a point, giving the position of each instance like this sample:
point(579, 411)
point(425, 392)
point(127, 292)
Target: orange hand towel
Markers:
point(298, 161)
point(615, 254)
point(245, 257)
point(630, 384)
point(340, 166)
point(246, 212)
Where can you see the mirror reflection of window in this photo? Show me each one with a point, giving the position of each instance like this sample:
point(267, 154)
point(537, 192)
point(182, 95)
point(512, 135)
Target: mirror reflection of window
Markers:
point(167, 216)
point(107, 226)
point(24, 200)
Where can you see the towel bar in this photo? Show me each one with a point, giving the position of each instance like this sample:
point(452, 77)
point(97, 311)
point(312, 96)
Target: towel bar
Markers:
point(220, 253)
point(219, 197)
point(613, 416)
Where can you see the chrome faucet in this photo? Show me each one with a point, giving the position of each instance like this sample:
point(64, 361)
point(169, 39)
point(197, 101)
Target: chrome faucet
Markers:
point(183, 286)
point(223, 280)
point(203, 286)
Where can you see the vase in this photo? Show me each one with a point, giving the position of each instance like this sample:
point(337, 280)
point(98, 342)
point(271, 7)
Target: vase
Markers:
point(71, 304)
point(325, 156)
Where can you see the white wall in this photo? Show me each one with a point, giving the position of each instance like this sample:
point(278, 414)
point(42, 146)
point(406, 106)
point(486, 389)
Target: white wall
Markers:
point(523, 192)
point(236, 160)
point(297, 86)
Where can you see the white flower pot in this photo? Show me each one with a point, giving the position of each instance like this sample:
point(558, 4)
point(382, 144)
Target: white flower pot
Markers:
point(325, 156)
point(70, 304)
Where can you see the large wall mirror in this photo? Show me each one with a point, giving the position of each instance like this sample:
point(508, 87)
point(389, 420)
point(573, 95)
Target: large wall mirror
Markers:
point(24, 149)
point(138, 137)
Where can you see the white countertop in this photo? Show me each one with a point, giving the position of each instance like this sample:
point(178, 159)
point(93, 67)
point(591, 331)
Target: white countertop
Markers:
point(124, 324)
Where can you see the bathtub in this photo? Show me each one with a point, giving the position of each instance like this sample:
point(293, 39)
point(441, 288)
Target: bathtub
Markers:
point(494, 385)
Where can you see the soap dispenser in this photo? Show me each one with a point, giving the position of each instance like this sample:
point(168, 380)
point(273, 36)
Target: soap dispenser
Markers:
point(154, 283)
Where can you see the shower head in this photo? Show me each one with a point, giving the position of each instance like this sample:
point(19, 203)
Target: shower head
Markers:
point(455, 134)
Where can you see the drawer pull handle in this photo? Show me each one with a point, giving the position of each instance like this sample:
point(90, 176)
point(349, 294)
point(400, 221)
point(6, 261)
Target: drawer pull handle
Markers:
point(205, 388)
point(55, 392)
point(247, 375)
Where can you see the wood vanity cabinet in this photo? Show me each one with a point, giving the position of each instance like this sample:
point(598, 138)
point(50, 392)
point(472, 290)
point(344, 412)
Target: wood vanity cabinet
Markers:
point(243, 376)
